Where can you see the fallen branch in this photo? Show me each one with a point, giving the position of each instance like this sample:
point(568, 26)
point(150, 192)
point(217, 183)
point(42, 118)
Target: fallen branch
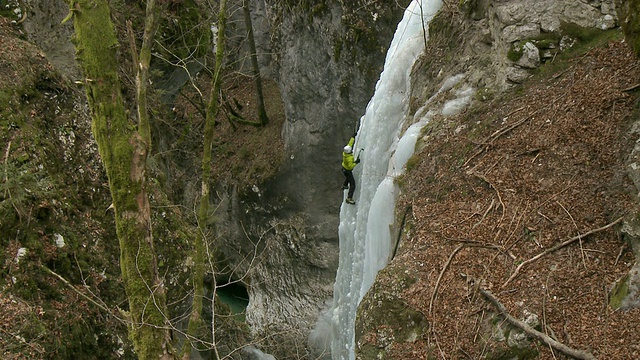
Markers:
point(6, 159)
point(572, 66)
point(558, 246)
point(576, 354)
point(21, 339)
point(25, 11)
point(496, 134)
point(70, 286)
point(506, 129)
point(577, 230)
point(444, 268)
point(479, 244)
point(620, 253)
point(401, 231)
point(485, 179)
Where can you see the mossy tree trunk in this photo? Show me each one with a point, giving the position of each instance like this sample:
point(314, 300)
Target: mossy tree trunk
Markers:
point(629, 14)
point(200, 246)
point(124, 150)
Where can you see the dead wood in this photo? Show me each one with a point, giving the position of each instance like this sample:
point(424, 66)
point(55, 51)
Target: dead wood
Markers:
point(631, 88)
point(496, 134)
point(70, 286)
point(485, 179)
point(444, 268)
point(558, 246)
point(576, 354)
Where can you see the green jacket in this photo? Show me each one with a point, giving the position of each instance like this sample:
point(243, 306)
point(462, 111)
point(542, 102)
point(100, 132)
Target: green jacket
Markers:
point(348, 162)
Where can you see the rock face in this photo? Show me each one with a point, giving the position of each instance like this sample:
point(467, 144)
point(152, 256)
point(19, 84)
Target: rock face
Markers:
point(499, 43)
point(326, 60)
point(515, 24)
point(43, 27)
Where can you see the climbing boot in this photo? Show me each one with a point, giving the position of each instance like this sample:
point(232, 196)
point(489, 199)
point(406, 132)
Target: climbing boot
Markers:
point(350, 201)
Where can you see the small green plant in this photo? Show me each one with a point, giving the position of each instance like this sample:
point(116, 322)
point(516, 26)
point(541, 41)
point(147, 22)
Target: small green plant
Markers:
point(22, 187)
point(518, 262)
point(244, 154)
point(579, 32)
point(318, 9)
point(530, 234)
point(515, 53)
point(11, 10)
point(474, 9)
point(412, 162)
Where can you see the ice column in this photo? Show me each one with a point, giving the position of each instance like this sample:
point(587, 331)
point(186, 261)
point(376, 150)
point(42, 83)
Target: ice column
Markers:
point(365, 238)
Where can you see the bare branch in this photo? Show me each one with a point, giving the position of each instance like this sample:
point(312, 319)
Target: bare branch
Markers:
point(558, 246)
point(577, 354)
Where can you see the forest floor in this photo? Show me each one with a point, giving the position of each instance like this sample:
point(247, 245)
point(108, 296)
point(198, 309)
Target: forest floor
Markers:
point(496, 188)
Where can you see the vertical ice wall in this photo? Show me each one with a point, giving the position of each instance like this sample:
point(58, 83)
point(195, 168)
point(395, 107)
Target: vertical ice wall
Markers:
point(365, 238)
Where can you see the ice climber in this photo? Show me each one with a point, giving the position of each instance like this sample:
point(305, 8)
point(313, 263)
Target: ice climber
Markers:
point(348, 163)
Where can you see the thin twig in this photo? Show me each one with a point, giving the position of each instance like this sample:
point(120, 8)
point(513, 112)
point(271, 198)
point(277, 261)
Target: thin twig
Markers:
point(493, 201)
point(21, 339)
point(484, 178)
point(554, 196)
point(505, 130)
point(620, 254)
point(558, 246)
point(444, 268)
point(475, 243)
point(572, 66)
point(6, 158)
point(631, 88)
point(577, 231)
point(546, 217)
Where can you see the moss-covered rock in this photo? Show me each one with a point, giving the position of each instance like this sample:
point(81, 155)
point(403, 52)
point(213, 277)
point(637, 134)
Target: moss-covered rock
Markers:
point(384, 322)
point(513, 354)
point(629, 15)
point(619, 292)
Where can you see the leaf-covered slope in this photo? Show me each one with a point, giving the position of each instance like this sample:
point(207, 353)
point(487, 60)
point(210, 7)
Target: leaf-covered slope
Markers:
point(495, 187)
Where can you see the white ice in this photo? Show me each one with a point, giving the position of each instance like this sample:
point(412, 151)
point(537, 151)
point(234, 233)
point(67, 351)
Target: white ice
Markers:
point(365, 237)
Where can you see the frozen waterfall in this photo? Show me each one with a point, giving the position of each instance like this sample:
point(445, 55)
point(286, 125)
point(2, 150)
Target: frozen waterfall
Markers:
point(364, 231)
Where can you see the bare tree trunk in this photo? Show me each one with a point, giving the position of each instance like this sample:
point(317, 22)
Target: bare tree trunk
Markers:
point(124, 154)
point(262, 112)
point(200, 246)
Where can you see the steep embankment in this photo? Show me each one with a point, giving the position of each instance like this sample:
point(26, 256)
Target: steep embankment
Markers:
point(493, 194)
point(53, 217)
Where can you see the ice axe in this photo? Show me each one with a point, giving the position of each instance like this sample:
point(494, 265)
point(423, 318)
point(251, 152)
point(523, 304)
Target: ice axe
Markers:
point(358, 157)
